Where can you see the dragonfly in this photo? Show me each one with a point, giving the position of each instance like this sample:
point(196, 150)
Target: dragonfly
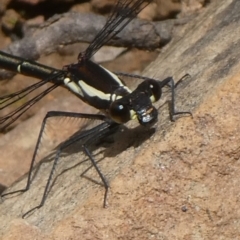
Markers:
point(96, 86)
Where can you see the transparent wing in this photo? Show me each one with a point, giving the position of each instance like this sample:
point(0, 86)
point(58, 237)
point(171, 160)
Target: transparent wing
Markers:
point(123, 12)
point(11, 99)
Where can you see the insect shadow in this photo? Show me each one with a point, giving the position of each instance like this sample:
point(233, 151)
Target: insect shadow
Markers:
point(110, 147)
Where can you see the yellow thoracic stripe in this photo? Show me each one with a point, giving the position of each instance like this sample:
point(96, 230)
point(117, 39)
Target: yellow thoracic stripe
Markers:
point(73, 86)
point(92, 92)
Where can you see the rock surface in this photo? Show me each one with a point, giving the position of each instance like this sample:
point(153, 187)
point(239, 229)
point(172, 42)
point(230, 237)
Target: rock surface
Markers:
point(179, 182)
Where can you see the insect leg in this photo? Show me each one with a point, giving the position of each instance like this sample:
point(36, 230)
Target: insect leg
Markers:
point(111, 128)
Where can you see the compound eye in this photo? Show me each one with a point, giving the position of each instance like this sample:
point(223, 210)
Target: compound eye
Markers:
point(119, 112)
point(155, 89)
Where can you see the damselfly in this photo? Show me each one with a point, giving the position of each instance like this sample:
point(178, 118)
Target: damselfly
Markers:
point(93, 84)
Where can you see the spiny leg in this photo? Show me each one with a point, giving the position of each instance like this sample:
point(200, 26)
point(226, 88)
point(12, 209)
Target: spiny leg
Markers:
point(106, 132)
point(48, 115)
point(104, 128)
point(173, 86)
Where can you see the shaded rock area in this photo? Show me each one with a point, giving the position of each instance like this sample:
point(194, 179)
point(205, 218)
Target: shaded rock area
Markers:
point(177, 181)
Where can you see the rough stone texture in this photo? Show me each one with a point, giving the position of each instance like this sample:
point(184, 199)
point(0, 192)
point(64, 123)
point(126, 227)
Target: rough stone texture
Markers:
point(179, 182)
